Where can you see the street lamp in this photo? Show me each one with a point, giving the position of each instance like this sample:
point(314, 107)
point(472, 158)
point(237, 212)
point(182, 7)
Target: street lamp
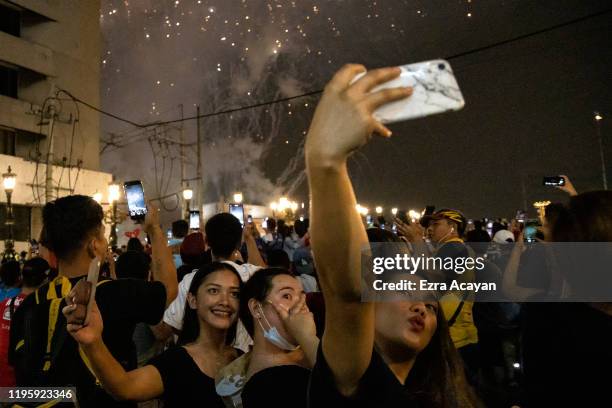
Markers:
point(187, 193)
point(238, 198)
point(113, 197)
point(598, 118)
point(394, 211)
point(414, 215)
point(9, 180)
point(540, 207)
point(113, 192)
point(379, 210)
point(187, 196)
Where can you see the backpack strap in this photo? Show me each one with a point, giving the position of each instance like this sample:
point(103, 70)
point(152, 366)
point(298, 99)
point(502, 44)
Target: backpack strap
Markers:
point(50, 357)
point(11, 306)
point(455, 315)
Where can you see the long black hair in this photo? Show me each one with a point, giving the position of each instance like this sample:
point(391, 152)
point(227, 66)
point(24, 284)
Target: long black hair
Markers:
point(191, 323)
point(437, 378)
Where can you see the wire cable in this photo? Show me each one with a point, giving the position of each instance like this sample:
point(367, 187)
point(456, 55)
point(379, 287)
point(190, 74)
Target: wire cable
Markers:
point(318, 91)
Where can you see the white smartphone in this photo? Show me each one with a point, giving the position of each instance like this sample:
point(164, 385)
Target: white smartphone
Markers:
point(92, 277)
point(435, 91)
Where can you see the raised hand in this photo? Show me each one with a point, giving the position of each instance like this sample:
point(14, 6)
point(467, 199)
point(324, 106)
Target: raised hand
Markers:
point(568, 187)
point(76, 311)
point(413, 232)
point(343, 120)
point(298, 320)
point(152, 218)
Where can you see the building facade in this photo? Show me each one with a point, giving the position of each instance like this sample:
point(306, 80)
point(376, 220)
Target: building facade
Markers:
point(49, 50)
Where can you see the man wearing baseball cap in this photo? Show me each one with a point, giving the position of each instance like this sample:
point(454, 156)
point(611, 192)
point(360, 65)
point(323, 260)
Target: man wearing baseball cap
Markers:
point(446, 229)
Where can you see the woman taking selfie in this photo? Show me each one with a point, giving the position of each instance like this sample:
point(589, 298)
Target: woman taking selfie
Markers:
point(372, 354)
point(182, 376)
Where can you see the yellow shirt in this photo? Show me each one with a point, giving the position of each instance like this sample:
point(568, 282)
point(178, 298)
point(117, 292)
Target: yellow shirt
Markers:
point(463, 331)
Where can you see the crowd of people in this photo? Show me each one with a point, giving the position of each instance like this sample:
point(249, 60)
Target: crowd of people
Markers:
point(236, 316)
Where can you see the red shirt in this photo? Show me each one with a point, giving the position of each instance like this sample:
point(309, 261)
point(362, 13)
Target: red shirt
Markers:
point(7, 375)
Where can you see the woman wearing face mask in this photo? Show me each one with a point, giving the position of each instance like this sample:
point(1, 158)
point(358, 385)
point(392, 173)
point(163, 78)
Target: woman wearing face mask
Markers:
point(182, 376)
point(372, 354)
point(274, 312)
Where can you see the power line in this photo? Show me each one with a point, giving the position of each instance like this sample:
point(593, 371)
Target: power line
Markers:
point(318, 91)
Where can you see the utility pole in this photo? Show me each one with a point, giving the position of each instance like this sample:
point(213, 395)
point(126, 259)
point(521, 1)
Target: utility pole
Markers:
point(200, 182)
point(49, 167)
point(524, 192)
point(182, 152)
point(598, 118)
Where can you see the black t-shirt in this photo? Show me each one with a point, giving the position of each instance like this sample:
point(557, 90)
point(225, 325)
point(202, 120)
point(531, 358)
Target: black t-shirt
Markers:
point(378, 387)
point(534, 270)
point(123, 303)
point(277, 387)
point(185, 385)
point(566, 354)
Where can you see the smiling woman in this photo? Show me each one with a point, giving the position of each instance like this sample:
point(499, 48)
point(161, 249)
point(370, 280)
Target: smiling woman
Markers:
point(181, 376)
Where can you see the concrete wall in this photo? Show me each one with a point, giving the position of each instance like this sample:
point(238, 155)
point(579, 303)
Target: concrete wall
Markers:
point(59, 47)
point(27, 193)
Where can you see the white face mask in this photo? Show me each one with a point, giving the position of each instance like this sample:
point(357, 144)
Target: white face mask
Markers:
point(272, 334)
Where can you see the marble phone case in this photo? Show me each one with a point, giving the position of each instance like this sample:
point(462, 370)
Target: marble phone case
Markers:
point(435, 91)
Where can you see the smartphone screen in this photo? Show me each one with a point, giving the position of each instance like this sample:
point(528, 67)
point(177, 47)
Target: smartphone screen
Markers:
point(530, 230)
point(194, 219)
point(553, 181)
point(134, 194)
point(237, 210)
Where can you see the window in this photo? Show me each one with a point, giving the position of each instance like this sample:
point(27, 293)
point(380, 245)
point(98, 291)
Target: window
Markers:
point(7, 142)
point(21, 227)
point(8, 81)
point(10, 21)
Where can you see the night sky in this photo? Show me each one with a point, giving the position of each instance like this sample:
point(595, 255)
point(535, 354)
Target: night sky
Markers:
point(529, 108)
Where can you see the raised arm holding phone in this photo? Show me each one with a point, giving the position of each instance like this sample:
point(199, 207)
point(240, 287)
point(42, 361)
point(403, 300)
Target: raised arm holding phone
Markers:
point(162, 264)
point(42, 352)
point(368, 350)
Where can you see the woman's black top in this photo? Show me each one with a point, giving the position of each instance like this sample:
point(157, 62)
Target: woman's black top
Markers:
point(378, 387)
point(185, 385)
point(567, 354)
point(277, 387)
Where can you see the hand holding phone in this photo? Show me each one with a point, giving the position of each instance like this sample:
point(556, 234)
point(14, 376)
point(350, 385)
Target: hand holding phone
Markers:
point(567, 186)
point(435, 90)
point(152, 220)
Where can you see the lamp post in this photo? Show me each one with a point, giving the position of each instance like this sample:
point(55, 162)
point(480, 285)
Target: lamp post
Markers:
point(273, 207)
point(9, 180)
point(187, 196)
point(113, 197)
point(540, 207)
point(598, 118)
